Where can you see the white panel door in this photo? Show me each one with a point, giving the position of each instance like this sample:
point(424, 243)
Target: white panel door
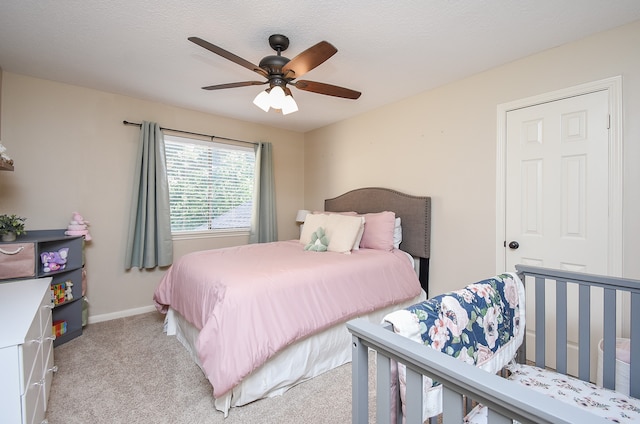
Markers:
point(557, 184)
point(557, 198)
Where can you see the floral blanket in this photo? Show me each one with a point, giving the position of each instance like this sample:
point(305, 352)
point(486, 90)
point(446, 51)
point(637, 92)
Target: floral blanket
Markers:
point(605, 403)
point(481, 324)
point(474, 323)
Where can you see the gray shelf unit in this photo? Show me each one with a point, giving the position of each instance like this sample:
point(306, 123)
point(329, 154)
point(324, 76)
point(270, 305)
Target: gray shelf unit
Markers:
point(52, 241)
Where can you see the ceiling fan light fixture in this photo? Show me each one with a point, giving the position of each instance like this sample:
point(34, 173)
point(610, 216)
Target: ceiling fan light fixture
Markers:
point(289, 105)
point(263, 100)
point(276, 98)
point(276, 95)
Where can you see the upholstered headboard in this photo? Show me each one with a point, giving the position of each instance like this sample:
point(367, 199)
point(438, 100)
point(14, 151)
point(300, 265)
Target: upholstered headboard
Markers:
point(414, 213)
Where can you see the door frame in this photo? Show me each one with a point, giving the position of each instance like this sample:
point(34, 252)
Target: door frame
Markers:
point(613, 86)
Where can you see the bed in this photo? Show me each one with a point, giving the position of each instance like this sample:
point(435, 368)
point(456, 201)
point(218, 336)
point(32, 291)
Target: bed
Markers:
point(541, 386)
point(258, 325)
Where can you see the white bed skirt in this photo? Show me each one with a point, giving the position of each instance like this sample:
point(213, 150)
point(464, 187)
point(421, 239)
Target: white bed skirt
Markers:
point(298, 362)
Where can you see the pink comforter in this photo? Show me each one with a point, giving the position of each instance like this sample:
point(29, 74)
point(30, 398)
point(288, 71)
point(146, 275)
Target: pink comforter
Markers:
point(251, 301)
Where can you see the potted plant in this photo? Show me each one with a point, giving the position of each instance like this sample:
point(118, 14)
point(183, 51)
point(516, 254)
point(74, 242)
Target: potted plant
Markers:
point(11, 226)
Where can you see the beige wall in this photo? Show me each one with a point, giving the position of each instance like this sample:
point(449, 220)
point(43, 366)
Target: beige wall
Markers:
point(72, 153)
point(442, 143)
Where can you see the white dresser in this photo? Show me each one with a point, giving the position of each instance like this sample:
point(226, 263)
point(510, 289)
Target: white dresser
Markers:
point(26, 350)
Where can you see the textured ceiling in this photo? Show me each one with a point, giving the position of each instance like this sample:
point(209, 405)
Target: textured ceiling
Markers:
point(388, 50)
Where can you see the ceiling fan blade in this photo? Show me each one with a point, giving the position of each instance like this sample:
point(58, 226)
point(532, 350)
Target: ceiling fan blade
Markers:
point(234, 85)
point(228, 55)
point(308, 59)
point(327, 89)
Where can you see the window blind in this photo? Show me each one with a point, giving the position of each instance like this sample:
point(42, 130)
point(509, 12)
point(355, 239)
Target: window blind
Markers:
point(210, 184)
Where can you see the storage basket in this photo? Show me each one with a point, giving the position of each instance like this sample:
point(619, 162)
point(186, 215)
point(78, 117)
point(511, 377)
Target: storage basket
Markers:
point(17, 260)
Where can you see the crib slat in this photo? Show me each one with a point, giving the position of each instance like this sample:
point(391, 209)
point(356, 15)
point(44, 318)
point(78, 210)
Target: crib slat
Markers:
point(452, 406)
point(540, 322)
point(413, 397)
point(383, 388)
point(584, 329)
point(609, 348)
point(359, 382)
point(561, 326)
point(634, 369)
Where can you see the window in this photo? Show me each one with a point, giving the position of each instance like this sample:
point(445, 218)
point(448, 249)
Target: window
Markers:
point(210, 185)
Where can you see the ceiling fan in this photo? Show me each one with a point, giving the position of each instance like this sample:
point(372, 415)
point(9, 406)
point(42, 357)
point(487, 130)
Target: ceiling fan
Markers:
point(280, 72)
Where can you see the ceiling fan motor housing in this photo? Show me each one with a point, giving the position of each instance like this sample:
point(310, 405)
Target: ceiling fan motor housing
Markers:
point(273, 64)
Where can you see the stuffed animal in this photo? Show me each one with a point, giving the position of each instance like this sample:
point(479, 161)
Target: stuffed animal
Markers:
point(68, 293)
point(78, 227)
point(54, 261)
point(319, 241)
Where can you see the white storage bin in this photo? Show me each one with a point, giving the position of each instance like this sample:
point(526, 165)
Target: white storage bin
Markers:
point(623, 359)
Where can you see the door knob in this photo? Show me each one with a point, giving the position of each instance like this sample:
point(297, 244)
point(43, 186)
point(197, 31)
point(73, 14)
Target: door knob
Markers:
point(514, 245)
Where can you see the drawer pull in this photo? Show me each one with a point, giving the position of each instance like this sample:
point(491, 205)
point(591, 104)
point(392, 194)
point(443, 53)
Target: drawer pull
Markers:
point(53, 369)
point(48, 306)
point(52, 338)
point(38, 340)
point(15, 252)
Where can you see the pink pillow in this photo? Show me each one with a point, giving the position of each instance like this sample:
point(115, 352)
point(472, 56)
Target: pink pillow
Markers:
point(378, 230)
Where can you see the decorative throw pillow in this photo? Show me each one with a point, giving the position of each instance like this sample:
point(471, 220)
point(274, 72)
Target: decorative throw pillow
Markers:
point(329, 227)
point(319, 241)
point(378, 230)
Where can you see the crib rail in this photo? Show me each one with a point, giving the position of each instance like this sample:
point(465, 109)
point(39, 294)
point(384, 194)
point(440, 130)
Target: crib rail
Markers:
point(611, 287)
point(505, 400)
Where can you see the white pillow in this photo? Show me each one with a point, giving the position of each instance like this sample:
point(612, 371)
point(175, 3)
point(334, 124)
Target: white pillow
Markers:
point(356, 244)
point(397, 234)
point(342, 231)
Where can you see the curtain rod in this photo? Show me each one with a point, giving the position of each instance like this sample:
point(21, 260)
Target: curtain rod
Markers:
point(195, 133)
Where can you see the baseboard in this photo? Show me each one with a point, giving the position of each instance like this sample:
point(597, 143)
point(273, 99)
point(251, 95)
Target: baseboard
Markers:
point(120, 314)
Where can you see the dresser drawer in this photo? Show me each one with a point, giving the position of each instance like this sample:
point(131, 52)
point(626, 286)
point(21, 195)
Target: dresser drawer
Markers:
point(30, 356)
point(17, 260)
point(35, 390)
point(46, 310)
point(33, 404)
point(49, 370)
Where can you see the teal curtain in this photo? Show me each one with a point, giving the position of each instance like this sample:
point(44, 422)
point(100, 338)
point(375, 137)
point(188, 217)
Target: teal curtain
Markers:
point(149, 243)
point(263, 220)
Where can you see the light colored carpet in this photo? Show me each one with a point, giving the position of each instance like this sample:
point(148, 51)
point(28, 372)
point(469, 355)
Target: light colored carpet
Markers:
point(128, 371)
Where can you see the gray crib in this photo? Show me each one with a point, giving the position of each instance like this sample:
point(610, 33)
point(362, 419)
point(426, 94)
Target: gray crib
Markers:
point(618, 301)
